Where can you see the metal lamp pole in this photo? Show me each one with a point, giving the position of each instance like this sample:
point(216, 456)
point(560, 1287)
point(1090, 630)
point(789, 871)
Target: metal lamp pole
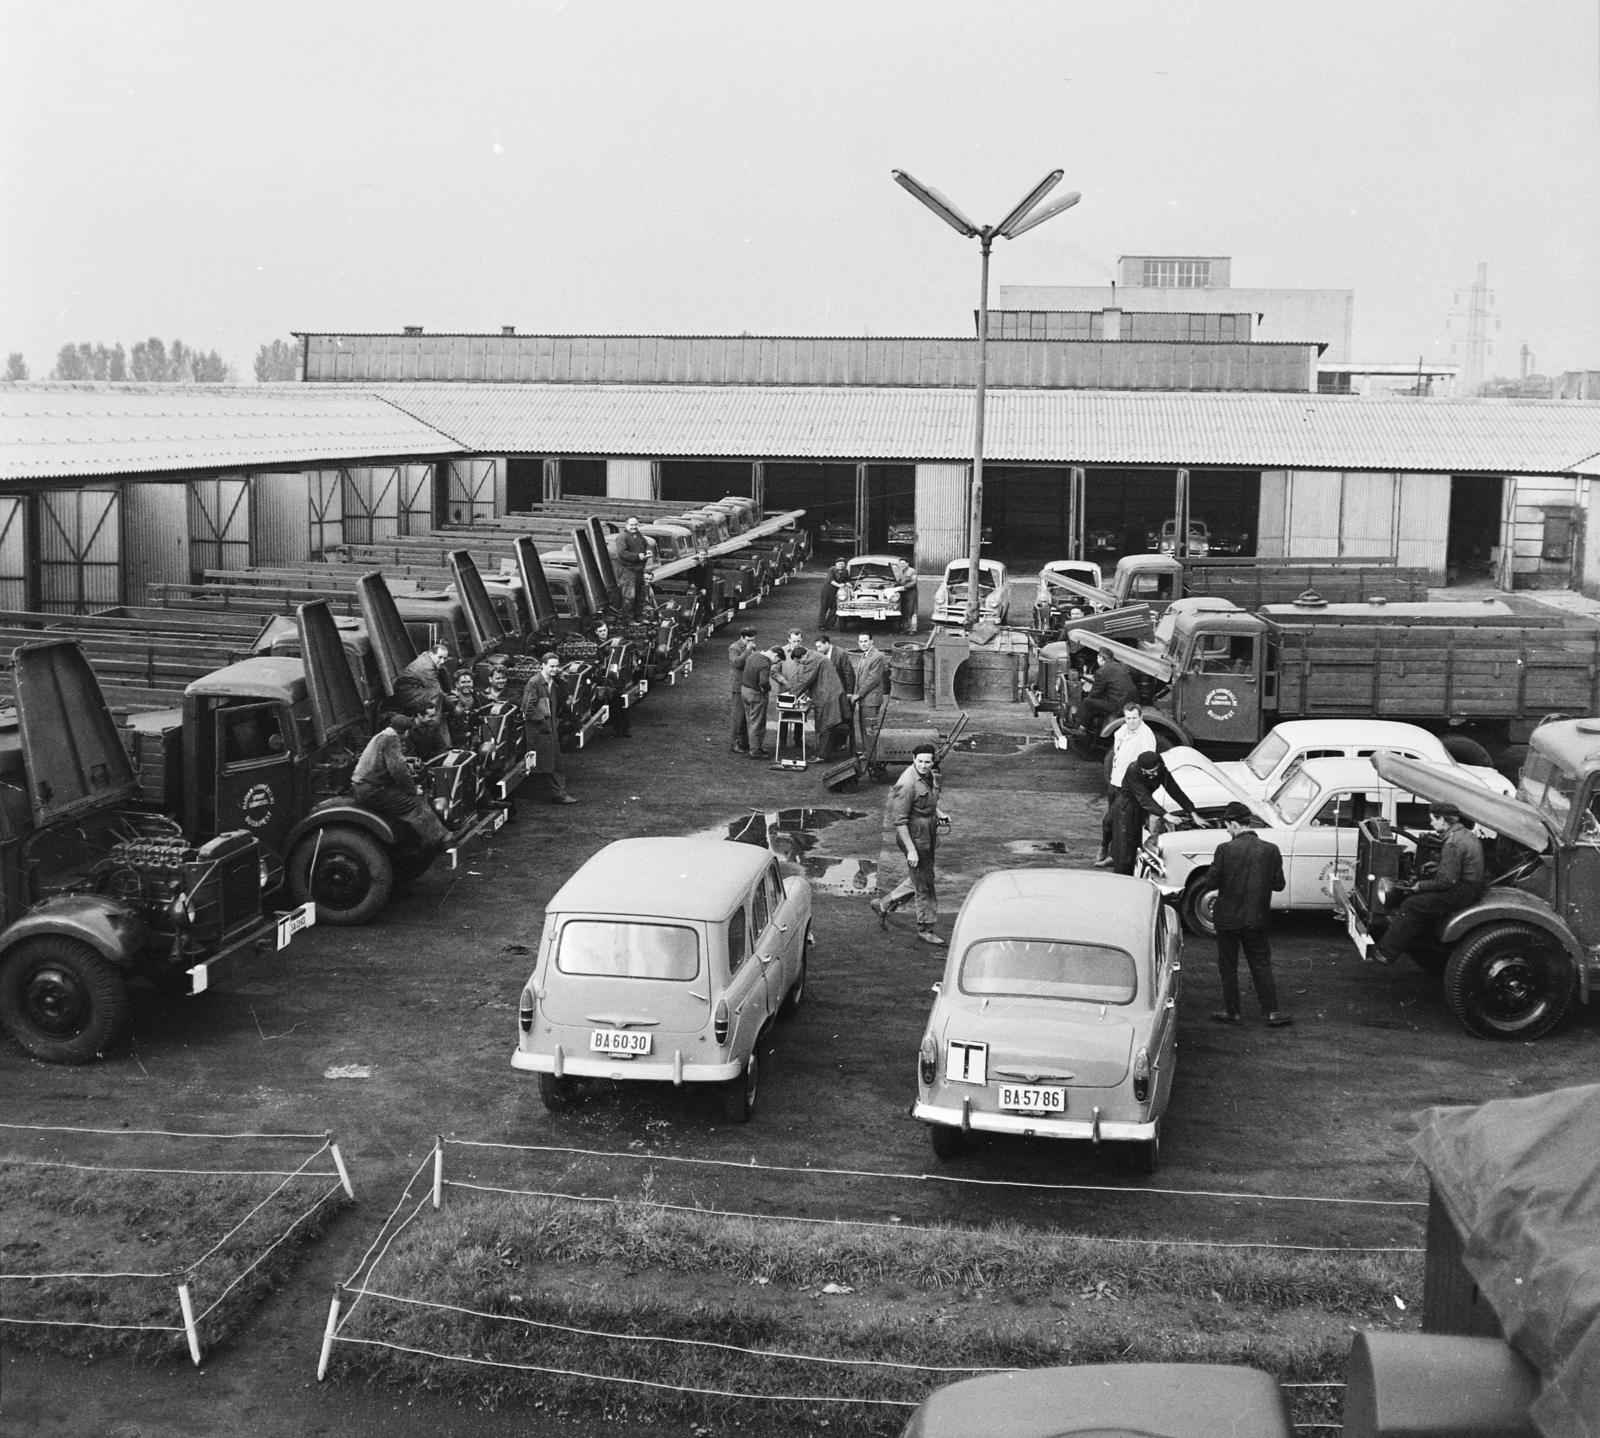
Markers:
point(1022, 218)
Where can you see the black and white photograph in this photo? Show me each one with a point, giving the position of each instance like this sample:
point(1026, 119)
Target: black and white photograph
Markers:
point(863, 720)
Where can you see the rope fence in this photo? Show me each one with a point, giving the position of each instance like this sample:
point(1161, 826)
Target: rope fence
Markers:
point(187, 1272)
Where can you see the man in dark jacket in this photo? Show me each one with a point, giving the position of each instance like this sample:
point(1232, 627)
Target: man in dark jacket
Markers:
point(835, 580)
point(539, 716)
point(382, 782)
point(843, 736)
point(1139, 807)
point(753, 682)
point(740, 650)
point(1247, 871)
point(632, 560)
point(1113, 688)
point(1457, 882)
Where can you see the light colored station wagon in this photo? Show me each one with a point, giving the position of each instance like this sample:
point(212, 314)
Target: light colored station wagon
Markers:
point(664, 960)
point(1057, 1013)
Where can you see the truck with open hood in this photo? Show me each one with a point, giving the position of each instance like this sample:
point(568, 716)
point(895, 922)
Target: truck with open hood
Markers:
point(95, 892)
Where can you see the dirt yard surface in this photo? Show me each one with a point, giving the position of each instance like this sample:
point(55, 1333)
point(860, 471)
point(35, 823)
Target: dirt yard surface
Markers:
point(422, 1005)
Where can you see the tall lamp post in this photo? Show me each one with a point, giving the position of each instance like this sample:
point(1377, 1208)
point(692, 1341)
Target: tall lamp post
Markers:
point(1021, 219)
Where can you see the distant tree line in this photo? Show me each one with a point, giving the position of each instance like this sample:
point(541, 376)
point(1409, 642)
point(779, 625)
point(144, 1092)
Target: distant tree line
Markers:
point(154, 362)
point(16, 367)
point(277, 361)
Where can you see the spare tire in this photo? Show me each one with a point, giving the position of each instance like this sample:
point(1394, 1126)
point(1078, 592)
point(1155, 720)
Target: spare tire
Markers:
point(1466, 750)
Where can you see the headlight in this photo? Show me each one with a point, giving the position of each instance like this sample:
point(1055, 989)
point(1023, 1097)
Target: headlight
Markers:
point(180, 910)
point(441, 806)
point(928, 1060)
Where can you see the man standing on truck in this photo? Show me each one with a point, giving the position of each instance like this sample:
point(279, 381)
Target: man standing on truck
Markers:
point(1455, 883)
point(913, 817)
point(740, 650)
point(1247, 872)
point(539, 717)
point(634, 560)
point(383, 783)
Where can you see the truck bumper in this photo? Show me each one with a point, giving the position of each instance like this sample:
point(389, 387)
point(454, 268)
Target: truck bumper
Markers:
point(274, 931)
point(508, 783)
point(630, 696)
point(1035, 1125)
point(485, 823)
point(673, 1070)
point(1357, 929)
point(593, 722)
point(677, 672)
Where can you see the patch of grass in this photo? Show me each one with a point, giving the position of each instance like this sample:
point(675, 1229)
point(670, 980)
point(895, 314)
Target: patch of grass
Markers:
point(998, 1297)
point(58, 1220)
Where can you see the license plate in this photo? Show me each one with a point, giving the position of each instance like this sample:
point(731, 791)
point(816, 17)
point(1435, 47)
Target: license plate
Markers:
point(1358, 934)
point(644, 687)
point(1031, 1098)
point(618, 1041)
point(499, 820)
point(530, 761)
point(291, 923)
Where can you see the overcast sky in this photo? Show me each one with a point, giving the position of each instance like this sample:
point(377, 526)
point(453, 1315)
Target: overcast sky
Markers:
point(225, 173)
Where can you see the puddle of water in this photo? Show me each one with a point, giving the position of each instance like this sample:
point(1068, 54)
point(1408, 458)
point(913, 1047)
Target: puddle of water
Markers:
point(1037, 846)
point(793, 834)
point(851, 878)
point(995, 743)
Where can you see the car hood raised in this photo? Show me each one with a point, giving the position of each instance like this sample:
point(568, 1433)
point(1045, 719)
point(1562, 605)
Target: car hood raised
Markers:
point(1047, 1040)
point(1208, 786)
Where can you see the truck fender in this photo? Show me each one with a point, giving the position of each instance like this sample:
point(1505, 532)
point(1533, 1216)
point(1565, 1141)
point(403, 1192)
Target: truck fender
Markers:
point(112, 930)
point(340, 812)
point(1515, 906)
point(1166, 724)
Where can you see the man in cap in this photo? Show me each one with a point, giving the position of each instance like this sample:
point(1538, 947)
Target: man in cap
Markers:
point(1247, 871)
point(1147, 775)
point(912, 815)
point(738, 652)
point(1457, 882)
point(382, 782)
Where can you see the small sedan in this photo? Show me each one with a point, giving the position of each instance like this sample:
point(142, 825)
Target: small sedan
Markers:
point(882, 589)
point(1057, 1014)
point(666, 961)
point(994, 593)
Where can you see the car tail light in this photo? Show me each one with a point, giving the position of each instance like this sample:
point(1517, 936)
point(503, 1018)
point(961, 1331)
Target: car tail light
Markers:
point(719, 1022)
point(525, 1011)
point(1141, 1075)
point(928, 1059)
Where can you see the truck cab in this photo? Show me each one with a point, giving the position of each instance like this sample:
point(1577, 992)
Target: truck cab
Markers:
point(1153, 579)
point(95, 892)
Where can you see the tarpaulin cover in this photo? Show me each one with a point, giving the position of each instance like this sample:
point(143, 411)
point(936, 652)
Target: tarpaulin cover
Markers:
point(1521, 1179)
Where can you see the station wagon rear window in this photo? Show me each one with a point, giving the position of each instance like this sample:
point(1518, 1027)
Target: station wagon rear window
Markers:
point(610, 949)
point(1049, 969)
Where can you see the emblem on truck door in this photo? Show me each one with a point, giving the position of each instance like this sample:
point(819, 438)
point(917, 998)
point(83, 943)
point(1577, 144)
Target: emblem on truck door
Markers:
point(256, 806)
point(1221, 704)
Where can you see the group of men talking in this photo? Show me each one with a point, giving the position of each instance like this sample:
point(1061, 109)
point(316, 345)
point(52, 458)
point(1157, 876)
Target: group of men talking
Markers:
point(839, 686)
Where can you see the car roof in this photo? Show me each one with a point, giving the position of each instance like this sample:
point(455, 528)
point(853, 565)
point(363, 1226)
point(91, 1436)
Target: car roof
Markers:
point(1336, 773)
point(667, 878)
point(1389, 732)
point(890, 559)
point(1082, 904)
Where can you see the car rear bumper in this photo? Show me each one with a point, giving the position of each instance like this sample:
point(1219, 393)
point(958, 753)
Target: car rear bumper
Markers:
point(1034, 1125)
point(655, 1070)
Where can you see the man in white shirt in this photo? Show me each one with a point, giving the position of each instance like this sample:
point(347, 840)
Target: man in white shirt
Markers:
point(1132, 739)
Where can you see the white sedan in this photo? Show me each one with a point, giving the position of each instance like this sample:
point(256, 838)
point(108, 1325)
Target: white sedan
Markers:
point(994, 592)
point(1292, 743)
point(1311, 817)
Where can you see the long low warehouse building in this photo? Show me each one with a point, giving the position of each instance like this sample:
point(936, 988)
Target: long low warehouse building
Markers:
point(106, 488)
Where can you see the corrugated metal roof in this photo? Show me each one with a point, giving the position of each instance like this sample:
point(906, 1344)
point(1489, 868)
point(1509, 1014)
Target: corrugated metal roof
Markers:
point(1251, 431)
point(74, 431)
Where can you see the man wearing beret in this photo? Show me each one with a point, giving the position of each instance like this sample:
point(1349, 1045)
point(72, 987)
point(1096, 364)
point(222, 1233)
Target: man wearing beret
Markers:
point(1247, 872)
point(1457, 882)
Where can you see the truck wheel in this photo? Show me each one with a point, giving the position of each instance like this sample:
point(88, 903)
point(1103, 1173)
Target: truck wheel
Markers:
point(947, 1140)
point(1198, 909)
point(739, 1094)
point(1465, 750)
point(60, 1000)
point(352, 878)
point(1508, 981)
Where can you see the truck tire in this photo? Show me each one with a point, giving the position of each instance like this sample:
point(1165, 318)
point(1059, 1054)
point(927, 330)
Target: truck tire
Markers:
point(1466, 750)
point(1198, 906)
point(353, 878)
point(61, 1000)
point(1509, 981)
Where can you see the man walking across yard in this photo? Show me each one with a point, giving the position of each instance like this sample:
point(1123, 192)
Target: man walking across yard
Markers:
point(913, 814)
point(1247, 872)
point(738, 652)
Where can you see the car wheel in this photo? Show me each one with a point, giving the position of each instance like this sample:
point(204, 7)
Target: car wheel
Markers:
point(557, 1094)
point(1508, 981)
point(345, 870)
point(947, 1140)
point(1466, 751)
point(797, 990)
point(1199, 907)
point(61, 1000)
point(1146, 1157)
point(739, 1094)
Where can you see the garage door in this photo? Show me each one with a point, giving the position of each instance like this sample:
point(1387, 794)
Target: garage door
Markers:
point(13, 552)
point(416, 498)
point(371, 504)
point(80, 550)
point(219, 525)
point(325, 502)
point(473, 483)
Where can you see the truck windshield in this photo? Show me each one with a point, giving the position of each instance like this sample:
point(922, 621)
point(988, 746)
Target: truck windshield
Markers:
point(617, 950)
point(1267, 755)
point(1549, 787)
point(1049, 969)
point(872, 571)
point(1295, 795)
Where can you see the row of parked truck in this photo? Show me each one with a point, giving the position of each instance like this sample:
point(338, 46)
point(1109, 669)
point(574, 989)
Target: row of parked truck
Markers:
point(174, 779)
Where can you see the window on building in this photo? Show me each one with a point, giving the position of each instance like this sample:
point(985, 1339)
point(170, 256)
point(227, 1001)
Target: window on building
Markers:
point(1177, 274)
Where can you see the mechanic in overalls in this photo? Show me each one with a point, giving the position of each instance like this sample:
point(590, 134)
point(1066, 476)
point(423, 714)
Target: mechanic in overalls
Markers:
point(382, 782)
point(912, 812)
point(1457, 882)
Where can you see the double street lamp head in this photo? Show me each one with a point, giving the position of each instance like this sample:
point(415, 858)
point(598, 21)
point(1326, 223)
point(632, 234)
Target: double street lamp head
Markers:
point(1023, 216)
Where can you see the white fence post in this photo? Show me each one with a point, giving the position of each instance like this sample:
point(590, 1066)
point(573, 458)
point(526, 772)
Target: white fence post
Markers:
point(438, 1170)
point(344, 1173)
point(188, 1323)
point(328, 1332)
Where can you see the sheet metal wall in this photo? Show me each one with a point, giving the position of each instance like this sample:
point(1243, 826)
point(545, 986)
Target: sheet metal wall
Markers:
point(942, 502)
point(219, 524)
point(155, 529)
point(630, 479)
point(371, 499)
point(280, 509)
point(80, 550)
point(1423, 529)
point(418, 498)
point(808, 360)
point(324, 511)
point(14, 551)
point(476, 490)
